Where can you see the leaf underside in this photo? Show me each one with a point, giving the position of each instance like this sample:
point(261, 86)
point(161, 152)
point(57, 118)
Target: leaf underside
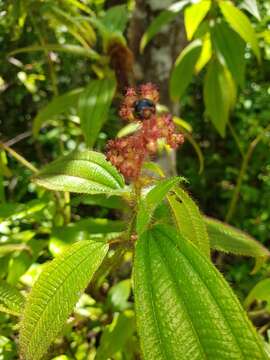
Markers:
point(185, 309)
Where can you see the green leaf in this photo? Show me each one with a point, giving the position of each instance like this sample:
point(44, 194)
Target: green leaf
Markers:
point(261, 291)
point(10, 248)
point(89, 228)
point(228, 239)
point(129, 129)
point(116, 18)
point(119, 294)
point(94, 106)
point(160, 21)
point(189, 220)
point(217, 96)
point(111, 202)
point(232, 48)
point(81, 172)
point(183, 69)
point(240, 24)
point(184, 307)
point(252, 7)
point(115, 335)
point(153, 168)
point(58, 105)
point(11, 300)
point(206, 53)
point(151, 201)
point(55, 294)
point(66, 48)
point(194, 15)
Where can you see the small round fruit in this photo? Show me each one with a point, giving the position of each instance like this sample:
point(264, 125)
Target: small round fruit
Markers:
point(144, 109)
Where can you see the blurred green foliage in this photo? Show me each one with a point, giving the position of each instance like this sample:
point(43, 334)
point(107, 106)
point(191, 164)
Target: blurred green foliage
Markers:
point(36, 224)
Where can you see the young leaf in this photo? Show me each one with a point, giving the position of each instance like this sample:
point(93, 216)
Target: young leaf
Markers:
point(252, 7)
point(232, 48)
point(151, 201)
point(160, 21)
point(240, 24)
point(228, 239)
point(217, 96)
point(81, 172)
point(11, 300)
point(189, 220)
point(194, 15)
point(184, 307)
point(58, 105)
point(94, 106)
point(55, 294)
point(184, 68)
point(261, 291)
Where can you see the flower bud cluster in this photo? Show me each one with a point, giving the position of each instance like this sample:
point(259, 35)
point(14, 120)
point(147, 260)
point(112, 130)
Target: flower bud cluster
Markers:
point(127, 154)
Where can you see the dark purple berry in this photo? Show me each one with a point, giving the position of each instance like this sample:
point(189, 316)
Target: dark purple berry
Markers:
point(144, 109)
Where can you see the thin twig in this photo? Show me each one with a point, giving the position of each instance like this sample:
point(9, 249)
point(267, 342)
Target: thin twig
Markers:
point(236, 139)
point(18, 138)
point(18, 157)
point(242, 173)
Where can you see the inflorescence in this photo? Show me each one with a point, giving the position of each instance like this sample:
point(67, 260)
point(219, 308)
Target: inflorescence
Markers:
point(127, 154)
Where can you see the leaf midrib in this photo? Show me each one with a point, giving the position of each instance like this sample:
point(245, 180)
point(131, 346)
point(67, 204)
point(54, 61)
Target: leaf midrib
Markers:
point(154, 309)
point(181, 300)
point(215, 300)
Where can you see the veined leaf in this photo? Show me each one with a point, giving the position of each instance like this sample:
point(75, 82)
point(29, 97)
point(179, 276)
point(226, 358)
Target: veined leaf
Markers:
point(261, 291)
point(228, 239)
point(184, 68)
point(241, 24)
point(185, 309)
point(94, 105)
point(55, 294)
point(81, 172)
point(58, 105)
point(217, 96)
point(11, 300)
point(151, 201)
point(160, 21)
point(189, 220)
point(252, 7)
point(232, 48)
point(194, 15)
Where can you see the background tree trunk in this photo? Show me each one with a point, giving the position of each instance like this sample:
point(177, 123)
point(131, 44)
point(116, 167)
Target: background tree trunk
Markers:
point(156, 62)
